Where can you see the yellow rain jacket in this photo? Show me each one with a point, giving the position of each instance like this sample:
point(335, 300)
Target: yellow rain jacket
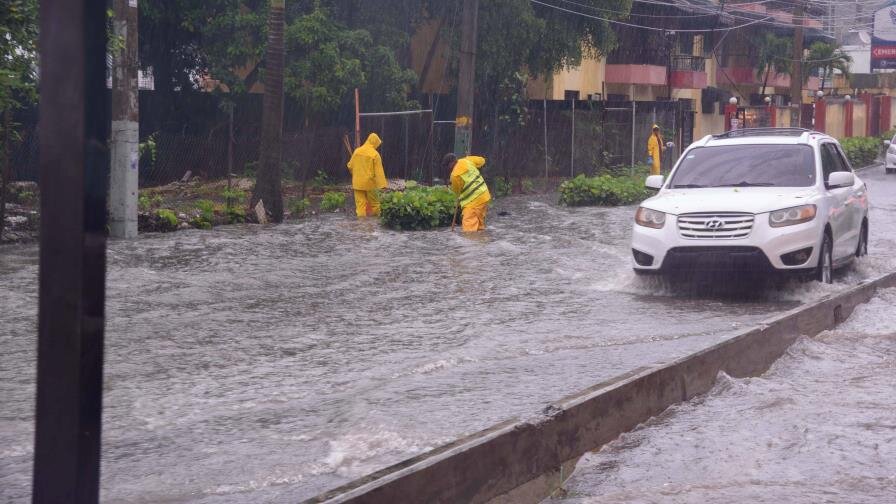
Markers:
point(467, 182)
point(366, 166)
point(654, 150)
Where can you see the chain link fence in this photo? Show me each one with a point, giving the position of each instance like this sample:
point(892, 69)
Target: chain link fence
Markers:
point(559, 138)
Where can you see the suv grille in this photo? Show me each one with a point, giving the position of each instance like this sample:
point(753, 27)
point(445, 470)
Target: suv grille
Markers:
point(715, 226)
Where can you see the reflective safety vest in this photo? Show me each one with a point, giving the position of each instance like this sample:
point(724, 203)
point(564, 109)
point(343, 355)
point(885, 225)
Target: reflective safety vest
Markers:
point(474, 185)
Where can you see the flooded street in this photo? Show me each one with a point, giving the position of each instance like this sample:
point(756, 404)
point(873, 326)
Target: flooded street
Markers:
point(817, 427)
point(268, 364)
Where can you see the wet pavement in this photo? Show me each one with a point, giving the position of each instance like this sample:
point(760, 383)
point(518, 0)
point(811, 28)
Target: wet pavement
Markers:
point(819, 426)
point(273, 363)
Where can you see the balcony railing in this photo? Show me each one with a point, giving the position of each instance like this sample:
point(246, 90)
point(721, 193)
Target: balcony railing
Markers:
point(683, 63)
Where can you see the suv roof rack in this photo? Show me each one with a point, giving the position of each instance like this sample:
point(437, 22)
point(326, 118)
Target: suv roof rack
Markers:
point(763, 132)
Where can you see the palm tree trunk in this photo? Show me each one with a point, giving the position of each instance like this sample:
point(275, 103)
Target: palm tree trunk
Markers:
point(268, 184)
point(768, 70)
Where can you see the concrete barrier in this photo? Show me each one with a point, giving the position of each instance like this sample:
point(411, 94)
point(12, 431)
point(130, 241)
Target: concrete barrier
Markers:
point(523, 460)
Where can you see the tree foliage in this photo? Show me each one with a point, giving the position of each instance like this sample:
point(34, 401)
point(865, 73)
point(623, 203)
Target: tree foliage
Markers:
point(824, 58)
point(774, 56)
point(18, 53)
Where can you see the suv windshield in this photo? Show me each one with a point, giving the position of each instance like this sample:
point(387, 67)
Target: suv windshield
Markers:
point(746, 166)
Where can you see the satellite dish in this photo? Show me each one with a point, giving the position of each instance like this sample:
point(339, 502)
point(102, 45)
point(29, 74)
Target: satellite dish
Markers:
point(865, 37)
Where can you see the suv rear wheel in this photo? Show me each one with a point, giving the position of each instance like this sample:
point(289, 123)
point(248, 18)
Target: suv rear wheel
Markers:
point(824, 272)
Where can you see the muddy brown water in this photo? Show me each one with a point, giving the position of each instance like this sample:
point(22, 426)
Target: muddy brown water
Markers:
point(273, 363)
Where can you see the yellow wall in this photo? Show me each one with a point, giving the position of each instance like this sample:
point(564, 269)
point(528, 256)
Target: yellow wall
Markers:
point(587, 79)
point(859, 111)
point(834, 119)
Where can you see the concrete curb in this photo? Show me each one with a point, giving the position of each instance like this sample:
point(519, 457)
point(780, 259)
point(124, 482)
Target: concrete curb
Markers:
point(523, 460)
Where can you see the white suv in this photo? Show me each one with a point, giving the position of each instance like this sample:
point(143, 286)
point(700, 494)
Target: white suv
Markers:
point(759, 200)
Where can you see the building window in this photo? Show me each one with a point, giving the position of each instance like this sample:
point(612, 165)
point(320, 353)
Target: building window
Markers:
point(571, 95)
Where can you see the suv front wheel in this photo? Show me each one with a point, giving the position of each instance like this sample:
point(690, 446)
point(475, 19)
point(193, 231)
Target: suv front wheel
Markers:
point(824, 272)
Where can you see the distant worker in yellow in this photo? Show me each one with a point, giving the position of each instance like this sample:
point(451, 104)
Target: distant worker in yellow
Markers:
point(655, 150)
point(467, 183)
point(366, 167)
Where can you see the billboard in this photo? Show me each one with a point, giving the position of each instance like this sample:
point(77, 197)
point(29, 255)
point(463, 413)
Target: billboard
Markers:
point(883, 40)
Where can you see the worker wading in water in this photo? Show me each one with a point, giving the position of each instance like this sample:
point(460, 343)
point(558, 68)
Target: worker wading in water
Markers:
point(467, 183)
point(366, 167)
point(655, 150)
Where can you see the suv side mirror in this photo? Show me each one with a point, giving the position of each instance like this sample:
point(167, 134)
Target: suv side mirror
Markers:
point(654, 182)
point(841, 179)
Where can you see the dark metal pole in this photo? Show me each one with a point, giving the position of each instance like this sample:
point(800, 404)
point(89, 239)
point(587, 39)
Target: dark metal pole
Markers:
point(74, 178)
point(466, 81)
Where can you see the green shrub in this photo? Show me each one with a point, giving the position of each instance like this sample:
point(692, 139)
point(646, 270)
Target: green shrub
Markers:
point(206, 216)
point(861, 151)
point(321, 179)
point(602, 190)
point(888, 135)
point(500, 187)
point(146, 202)
point(236, 215)
point(167, 219)
point(234, 196)
point(332, 201)
point(528, 186)
point(418, 208)
point(299, 206)
point(148, 152)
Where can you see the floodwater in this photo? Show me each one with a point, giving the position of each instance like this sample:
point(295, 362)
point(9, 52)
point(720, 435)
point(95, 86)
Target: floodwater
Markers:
point(269, 364)
point(819, 426)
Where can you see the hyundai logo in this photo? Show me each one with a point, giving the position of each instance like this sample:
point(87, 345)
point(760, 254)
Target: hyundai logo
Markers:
point(714, 224)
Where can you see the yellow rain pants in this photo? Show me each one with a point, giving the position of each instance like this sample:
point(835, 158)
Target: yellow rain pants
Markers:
point(474, 217)
point(367, 203)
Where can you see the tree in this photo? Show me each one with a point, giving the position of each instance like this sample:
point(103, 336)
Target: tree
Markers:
point(18, 78)
point(774, 55)
point(518, 39)
point(267, 185)
point(824, 58)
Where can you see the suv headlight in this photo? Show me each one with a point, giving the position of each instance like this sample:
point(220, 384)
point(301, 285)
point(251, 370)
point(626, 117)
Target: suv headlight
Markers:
point(791, 216)
point(650, 218)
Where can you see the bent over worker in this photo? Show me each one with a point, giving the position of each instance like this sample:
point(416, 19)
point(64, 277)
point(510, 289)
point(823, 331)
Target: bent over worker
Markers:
point(467, 183)
point(655, 150)
point(366, 167)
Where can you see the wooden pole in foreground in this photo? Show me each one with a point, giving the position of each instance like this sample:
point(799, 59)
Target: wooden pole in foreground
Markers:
point(74, 182)
point(357, 119)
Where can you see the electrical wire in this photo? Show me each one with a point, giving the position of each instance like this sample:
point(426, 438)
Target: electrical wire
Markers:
point(633, 25)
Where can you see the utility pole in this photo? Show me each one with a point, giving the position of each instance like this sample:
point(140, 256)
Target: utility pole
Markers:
point(74, 185)
point(466, 81)
point(268, 184)
point(125, 138)
point(796, 77)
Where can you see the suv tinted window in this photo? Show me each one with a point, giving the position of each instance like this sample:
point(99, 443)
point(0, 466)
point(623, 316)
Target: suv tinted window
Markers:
point(746, 165)
point(831, 161)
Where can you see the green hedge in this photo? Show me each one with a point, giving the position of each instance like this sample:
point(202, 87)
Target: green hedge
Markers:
point(604, 190)
point(861, 151)
point(418, 208)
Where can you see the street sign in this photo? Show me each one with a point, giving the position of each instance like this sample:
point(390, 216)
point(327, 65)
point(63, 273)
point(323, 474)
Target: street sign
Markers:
point(883, 41)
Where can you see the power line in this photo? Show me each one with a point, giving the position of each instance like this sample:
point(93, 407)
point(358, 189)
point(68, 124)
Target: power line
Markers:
point(633, 25)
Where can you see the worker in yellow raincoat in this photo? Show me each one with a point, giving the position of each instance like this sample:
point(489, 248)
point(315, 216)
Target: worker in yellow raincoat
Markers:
point(655, 150)
point(467, 183)
point(368, 176)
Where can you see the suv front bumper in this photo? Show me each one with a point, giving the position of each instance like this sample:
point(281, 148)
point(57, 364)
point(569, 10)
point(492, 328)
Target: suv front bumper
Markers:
point(666, 251)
